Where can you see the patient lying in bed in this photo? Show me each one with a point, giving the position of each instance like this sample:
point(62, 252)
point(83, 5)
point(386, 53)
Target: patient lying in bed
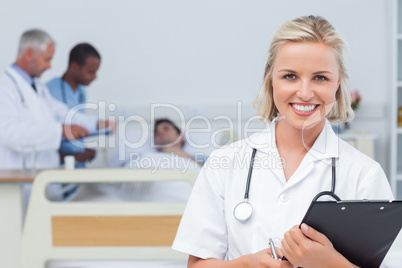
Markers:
point(169, 155)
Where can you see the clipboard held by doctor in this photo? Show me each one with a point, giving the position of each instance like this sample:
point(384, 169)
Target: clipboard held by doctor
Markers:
point(362, 231)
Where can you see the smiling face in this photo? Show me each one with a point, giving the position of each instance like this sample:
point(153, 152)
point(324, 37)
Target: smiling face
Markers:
point(86, 73)
point(305, 79)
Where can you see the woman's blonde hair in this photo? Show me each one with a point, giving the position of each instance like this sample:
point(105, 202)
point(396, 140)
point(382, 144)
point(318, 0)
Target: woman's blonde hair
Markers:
point(306, 29)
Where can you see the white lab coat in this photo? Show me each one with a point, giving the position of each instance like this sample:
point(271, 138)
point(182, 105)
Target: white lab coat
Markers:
point(208, 228)
point(30, 119)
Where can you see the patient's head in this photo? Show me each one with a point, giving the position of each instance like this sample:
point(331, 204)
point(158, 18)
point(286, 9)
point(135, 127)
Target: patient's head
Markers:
point(167, 134)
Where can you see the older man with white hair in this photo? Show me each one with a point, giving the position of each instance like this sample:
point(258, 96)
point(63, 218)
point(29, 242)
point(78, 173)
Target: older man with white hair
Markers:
point(30, 118)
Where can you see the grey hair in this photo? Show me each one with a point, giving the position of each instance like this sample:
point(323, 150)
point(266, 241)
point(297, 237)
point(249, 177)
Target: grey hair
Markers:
point(314, 29)
point(36, 39)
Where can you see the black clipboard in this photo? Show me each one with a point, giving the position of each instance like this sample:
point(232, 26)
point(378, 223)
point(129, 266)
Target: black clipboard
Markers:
point(362, 231)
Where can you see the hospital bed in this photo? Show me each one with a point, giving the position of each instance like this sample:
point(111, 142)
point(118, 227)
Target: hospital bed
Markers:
point(81, 234)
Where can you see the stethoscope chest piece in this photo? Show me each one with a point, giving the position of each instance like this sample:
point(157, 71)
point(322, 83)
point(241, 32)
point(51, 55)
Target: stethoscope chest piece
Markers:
point(243, 211)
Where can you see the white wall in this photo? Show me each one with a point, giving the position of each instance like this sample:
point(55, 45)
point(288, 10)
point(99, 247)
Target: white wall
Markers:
point(201, 53)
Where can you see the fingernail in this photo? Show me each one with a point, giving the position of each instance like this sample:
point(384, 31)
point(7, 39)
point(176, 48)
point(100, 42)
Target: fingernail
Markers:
point(305, 227)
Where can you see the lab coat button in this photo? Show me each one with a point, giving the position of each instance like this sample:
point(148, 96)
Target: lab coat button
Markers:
point(283, 198)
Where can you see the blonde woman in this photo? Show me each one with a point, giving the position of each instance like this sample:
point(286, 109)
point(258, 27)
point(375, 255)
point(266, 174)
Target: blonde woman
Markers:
point(304, 89)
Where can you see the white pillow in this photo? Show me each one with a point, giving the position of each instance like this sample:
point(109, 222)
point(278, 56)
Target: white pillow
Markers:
point(135, 143)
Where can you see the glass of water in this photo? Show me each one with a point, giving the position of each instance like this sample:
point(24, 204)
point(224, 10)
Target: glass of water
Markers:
point(28, 159)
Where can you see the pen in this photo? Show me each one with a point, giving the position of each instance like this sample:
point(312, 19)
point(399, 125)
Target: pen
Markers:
point(273, 250)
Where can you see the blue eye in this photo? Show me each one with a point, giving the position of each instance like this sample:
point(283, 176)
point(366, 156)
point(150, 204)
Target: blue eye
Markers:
point(289, 76)
point(320, 78)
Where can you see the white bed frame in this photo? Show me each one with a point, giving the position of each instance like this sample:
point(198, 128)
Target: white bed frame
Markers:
point(100, 231)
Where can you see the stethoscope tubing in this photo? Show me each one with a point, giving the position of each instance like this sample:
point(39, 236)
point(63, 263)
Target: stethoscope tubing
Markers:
point(244, 203)
point(16, 86)
point(63, 92)
point(250, 172)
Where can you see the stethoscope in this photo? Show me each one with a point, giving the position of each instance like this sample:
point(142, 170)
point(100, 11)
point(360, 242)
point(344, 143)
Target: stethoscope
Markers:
point(244, 210)
point(18, 89)
point(64, 96)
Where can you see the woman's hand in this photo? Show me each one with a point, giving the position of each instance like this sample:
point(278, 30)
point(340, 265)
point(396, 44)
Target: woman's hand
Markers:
point(261, 259)
point(264, 259)
point(309, 248)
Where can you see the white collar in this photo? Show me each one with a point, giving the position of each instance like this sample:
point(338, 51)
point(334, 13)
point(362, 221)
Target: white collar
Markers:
point(326, 145)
